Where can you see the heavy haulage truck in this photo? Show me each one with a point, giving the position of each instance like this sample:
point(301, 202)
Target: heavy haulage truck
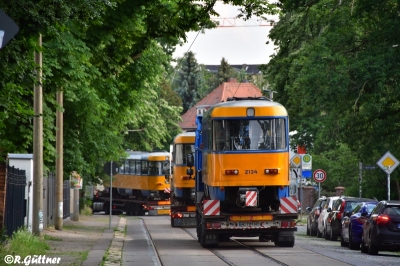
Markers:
point(241, 164)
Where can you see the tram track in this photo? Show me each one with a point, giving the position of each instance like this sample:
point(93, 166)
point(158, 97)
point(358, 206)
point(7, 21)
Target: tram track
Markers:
point(229, 262)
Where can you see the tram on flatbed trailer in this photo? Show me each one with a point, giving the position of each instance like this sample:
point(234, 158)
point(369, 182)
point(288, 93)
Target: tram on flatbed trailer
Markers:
point(183, 209)
point(141, 185)
point(242, 172)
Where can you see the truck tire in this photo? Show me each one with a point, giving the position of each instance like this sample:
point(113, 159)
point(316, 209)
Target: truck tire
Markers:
point(106, 208)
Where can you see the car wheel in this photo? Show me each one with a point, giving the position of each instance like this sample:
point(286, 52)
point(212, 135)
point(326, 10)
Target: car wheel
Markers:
point(313, 229)
point(342, 243)
point(372, 249)
point(352, 245)
point(308, 228)
point(319, 235)
point(332, 235)
point(326, 236)
point(364, 248)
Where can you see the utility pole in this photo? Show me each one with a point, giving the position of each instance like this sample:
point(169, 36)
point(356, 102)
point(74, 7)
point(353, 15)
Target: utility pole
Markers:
point(59, 162)
point(37, 219)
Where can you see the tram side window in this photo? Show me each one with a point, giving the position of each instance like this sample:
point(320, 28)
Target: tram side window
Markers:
point(131, 167)
point(137, 167)
point(165, 170)
point(122, 168)
point(219, 136)
point(144, 168)
point(126, 167)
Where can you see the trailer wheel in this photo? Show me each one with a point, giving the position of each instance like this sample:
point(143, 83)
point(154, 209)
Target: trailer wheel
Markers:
point(106, 208)
point(172, 222)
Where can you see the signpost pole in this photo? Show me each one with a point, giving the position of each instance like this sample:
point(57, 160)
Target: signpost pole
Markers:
point(301, 191)
point(388, 186)
point(111, 168)
point(360, 178)
point(319, 190)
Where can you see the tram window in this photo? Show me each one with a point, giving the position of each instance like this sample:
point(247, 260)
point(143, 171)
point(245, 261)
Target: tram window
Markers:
point(131, 167)
point(152, 168)
point(165, 168)
point(144, 168)
point(261, 134)
point(137, 167)
point(126, 167)
point(121, 169)
point(181, 152)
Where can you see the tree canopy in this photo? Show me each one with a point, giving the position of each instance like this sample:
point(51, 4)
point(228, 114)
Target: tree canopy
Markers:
point(110, 59)
point(337, 71)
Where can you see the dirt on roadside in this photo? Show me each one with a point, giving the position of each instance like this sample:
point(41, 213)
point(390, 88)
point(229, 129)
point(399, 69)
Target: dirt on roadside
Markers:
point(73, 243)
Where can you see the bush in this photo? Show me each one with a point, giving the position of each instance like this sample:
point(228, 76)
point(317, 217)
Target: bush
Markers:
point(23, 243)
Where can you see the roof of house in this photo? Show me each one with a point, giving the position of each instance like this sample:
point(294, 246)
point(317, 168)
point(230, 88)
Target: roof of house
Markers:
point(220, 94)
point(250, 69)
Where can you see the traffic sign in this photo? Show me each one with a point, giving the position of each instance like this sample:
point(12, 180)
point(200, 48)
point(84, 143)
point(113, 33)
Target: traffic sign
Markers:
point(306, 161)
point(319, 175)
point(8, 29)
point(296, 173)
point(111, 168)
point(388, 162)
point(296, 160)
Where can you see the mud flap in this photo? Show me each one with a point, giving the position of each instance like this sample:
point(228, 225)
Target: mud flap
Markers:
point(211, 239)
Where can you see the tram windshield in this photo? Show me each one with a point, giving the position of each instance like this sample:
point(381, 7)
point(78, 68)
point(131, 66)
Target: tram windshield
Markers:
point(181, 152)
point(257, 134)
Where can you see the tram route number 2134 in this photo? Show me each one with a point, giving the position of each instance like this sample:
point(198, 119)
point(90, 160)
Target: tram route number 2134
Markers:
point(250, 172)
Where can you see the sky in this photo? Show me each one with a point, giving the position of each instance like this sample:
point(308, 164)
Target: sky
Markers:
point(243, 44)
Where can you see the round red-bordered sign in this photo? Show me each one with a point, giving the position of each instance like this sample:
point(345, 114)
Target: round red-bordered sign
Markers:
point(319, 175)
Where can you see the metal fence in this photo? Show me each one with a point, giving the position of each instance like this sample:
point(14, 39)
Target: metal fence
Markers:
point(15, 205)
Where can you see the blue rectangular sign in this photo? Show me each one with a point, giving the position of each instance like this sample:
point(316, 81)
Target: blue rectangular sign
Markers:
point(307, 173)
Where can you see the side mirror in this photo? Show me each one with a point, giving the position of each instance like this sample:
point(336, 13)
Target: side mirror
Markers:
point(190, 160)
point(189, 171)
point(348, 214)
point(308, 209)
point(329, 209)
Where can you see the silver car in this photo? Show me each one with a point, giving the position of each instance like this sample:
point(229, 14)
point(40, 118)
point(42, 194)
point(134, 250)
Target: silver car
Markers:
point(321, 228)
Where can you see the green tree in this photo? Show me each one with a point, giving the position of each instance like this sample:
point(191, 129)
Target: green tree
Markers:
point(336, 71)
point(225, 71)
point(188, 82)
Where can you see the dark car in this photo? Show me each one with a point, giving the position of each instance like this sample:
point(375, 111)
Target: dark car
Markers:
point(352, 223)
point(334, 219)
point(312, 219)
point(381, 230)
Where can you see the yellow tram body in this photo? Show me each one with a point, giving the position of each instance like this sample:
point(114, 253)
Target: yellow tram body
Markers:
point(182, 142)
point(252, 166)
point(144, 171)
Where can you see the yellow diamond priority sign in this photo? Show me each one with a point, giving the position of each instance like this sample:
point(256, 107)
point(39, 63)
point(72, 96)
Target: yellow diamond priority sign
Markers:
point(296, 160)
point(388, 162)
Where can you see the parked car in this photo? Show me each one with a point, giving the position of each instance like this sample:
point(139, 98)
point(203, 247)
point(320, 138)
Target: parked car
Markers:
point(381, 230)
point(326, 209)
point(334, 219)
point(314, 212)
point(352, 223)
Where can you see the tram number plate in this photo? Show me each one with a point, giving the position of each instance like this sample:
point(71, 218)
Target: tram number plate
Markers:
point(163, 211)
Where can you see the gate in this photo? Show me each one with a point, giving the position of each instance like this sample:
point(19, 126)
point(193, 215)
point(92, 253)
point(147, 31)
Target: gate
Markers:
point(15, 206)
point(66, 199)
